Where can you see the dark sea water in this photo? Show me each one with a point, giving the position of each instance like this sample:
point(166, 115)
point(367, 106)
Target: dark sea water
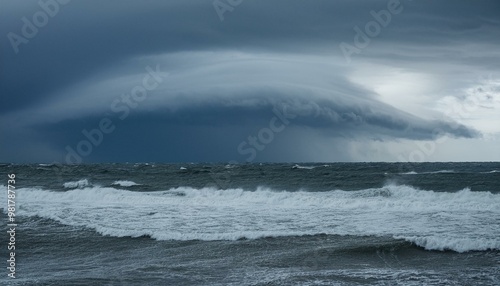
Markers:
point(255, 224)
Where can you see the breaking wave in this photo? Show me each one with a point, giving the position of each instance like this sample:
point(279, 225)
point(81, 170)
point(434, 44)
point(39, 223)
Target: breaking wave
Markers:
point(77, 184)
point(125, 183)
point(460, 221)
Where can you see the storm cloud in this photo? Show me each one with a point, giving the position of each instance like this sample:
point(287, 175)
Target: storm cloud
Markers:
point(172, 82)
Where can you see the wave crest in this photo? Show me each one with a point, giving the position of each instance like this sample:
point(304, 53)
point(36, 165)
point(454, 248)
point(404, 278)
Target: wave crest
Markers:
point(459, 221)
point(124, 183)
point(77, 184)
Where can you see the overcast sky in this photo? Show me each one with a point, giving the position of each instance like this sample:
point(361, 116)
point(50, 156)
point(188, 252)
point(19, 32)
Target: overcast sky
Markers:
point(249, 81)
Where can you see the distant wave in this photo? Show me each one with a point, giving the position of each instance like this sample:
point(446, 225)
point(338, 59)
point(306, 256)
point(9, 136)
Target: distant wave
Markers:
point(443, 172)
point(77, 184)
point(460, 221)
point(141, 164)
point(296, 166)
point(46, 165)
point(435, 172)
point(124, 183)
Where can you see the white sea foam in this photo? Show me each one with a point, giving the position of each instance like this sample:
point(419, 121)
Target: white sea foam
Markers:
point(125, 183)
point(434, 172)
point(454, 243)
point(460, 221)
point(77, 184)
point(296, 166)
point(442, 171)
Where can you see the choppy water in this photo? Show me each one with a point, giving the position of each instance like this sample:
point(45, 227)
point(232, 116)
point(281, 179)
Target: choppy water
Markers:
point(257, 224)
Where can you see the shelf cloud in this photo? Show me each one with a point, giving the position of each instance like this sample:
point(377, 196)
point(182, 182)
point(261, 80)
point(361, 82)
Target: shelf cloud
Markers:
point(174, 81)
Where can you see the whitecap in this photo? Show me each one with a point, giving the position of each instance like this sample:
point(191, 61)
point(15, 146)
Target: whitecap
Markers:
point(77, 184)
point(124, 183)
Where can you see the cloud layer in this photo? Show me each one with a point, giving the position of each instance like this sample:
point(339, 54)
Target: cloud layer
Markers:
point(223, 82)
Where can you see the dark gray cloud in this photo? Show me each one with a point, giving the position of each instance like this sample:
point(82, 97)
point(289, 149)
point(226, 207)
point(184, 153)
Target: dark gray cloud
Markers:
point(225, 77)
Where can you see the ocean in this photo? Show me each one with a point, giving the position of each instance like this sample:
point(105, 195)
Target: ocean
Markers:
point(254, 224)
